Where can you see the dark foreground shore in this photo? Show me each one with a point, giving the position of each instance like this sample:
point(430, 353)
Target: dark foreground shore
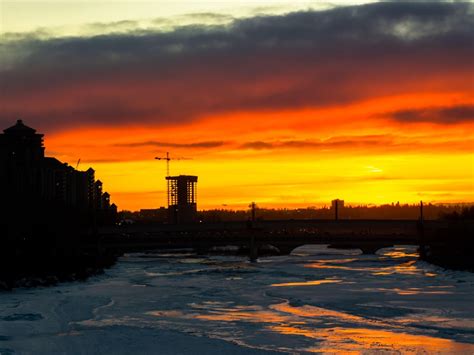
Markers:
point(451, 247)
point(33, 268)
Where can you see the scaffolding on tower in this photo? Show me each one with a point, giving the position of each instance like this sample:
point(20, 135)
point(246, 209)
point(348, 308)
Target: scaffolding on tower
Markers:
point(181, 194)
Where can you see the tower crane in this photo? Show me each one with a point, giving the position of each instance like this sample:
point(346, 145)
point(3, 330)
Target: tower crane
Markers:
point(168, 159)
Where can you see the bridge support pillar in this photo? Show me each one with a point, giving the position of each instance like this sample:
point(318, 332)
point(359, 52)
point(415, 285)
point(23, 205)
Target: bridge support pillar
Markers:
point(286, 249)
point(253, 249)
point(372, 249)
point(369, 249)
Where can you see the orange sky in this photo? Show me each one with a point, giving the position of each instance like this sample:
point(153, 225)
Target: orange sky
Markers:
point(354, 152)
point(371, 104)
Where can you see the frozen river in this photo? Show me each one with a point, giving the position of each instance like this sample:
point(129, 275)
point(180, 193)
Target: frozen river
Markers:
point(315, 300)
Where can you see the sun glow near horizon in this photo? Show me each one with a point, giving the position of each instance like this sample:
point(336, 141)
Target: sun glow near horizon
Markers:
point(371, 160)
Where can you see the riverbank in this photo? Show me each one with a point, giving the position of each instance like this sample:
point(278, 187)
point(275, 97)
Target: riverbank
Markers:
point(33, 269)
point(451, 247)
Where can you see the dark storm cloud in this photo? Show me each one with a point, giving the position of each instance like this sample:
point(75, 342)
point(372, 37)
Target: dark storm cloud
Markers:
point(304, 59)
point(438, 115)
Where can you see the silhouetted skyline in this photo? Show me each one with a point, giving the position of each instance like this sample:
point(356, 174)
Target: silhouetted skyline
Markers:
point(41, 190)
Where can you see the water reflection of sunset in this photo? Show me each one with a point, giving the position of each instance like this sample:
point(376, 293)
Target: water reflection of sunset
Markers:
point(315, 312)
point(306, 283)
point(360, 340)
point(399, 253)
point(408, 267)
point(333, 331)
point(409, 291)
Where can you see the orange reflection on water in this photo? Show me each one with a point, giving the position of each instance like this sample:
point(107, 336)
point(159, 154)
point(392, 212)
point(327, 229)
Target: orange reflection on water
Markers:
point(254, 314)
point(340, 261)
point(226, 315)
point(407, 268)
point(329, 265)
point(252, 317)
point(170, 314)
point(400, 253)
point(312, 311)
point(409, 291)
point(360, 340)
point(209, 311)
point(307, 283)
point(319, 324)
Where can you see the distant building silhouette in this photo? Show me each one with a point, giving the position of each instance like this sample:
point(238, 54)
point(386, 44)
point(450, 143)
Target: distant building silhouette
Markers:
point(337, 203)
point(153, 215)
point(337, 206)
point(182, 200)
point(38, 188)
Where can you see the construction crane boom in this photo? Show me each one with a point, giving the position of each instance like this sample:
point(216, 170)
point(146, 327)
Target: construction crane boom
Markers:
point(167, 158)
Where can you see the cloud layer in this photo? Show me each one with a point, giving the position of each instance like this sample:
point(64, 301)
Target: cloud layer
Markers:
point(453, 114)
point(304, 59)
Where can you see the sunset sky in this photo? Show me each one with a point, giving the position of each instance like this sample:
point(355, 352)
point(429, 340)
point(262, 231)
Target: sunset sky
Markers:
point(285, 103)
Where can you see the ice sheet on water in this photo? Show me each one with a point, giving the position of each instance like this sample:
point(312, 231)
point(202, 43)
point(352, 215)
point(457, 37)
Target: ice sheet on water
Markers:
point(317, 299)
point(28, 317)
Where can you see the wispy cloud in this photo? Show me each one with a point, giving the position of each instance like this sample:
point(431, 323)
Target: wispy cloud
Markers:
point(206, 144)
point(350, 145)
point(445, 115)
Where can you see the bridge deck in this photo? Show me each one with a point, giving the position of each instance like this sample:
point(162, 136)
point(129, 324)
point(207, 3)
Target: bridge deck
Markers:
point(368, 235)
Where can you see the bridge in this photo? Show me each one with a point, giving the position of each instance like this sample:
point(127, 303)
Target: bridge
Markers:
point(282, 236)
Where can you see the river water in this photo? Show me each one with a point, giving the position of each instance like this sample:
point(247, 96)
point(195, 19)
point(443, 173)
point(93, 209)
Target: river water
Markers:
point(317, 300)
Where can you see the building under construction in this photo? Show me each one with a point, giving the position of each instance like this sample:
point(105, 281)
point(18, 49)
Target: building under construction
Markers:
point(182, 201)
